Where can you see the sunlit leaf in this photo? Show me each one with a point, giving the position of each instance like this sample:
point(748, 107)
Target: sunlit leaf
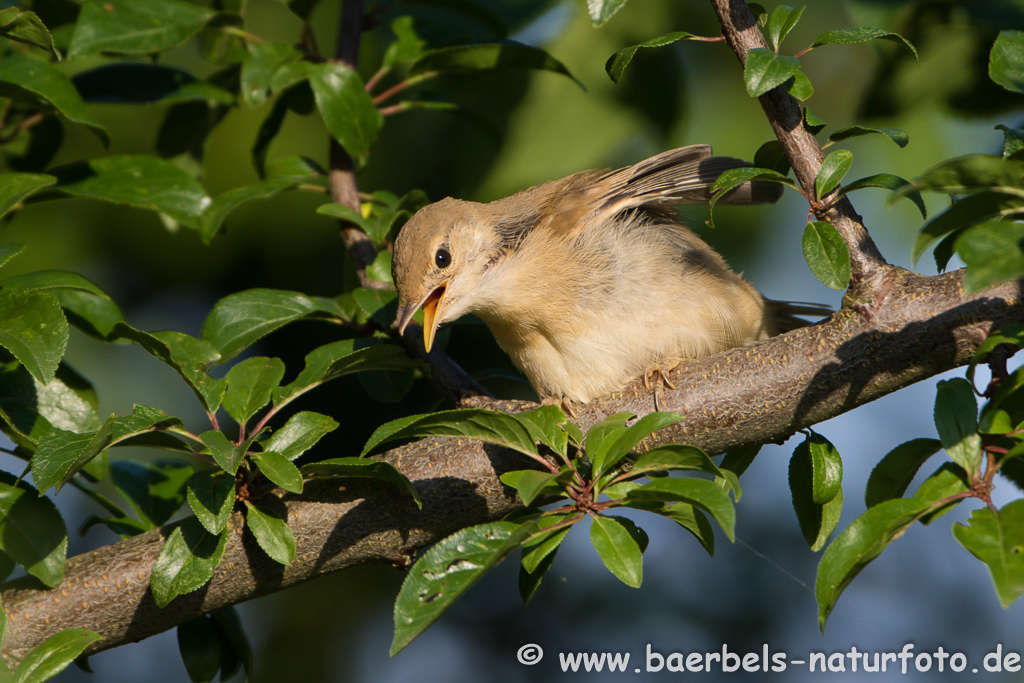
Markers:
point(447, 570)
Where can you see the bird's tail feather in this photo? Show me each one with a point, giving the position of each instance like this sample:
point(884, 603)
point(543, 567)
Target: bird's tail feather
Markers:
point(783, 316)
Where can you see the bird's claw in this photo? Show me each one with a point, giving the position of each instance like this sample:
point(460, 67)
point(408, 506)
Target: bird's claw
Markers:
point(660, 374)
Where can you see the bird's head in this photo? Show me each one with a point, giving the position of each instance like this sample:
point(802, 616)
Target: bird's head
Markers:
point(440, 256)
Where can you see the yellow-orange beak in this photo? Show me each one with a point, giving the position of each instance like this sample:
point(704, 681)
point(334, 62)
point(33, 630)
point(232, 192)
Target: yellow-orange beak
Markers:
point(429, 305)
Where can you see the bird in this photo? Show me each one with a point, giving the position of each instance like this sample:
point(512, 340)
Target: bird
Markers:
point(593, 280)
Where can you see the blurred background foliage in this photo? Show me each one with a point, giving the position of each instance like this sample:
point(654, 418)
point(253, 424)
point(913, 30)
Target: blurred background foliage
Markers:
point(525, 128)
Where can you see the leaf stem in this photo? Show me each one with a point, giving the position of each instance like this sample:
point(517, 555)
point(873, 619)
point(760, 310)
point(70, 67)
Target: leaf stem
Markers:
point(403, 85)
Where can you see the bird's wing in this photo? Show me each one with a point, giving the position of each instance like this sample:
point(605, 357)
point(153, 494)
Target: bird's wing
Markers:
point(678, 176)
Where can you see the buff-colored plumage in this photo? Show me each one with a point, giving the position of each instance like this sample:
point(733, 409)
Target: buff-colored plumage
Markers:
point(589, 281)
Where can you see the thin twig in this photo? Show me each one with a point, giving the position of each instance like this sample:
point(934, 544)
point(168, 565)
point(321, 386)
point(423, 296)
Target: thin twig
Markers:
point(804, 153)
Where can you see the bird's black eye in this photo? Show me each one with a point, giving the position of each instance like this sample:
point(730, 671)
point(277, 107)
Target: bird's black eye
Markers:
point(442, 258)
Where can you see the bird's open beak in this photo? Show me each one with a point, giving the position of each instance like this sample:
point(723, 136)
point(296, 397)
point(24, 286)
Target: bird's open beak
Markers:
point(429, 305)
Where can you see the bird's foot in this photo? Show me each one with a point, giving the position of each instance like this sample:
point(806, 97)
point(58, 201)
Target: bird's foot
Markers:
point(564, 403)
point(661, 380)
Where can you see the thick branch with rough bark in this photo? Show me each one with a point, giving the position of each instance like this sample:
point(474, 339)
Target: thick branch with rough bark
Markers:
point(763, 392)
point(896, 328)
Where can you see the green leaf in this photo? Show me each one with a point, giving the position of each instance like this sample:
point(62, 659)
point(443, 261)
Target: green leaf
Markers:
point(155, 491)
point(380, 305)
point(485, 425)
point(783, 19)
point(447, 570)
point(694, 521)
point(222, 205)
point(239, 319)
point(342, 358)
point(347, 109)
point(738, 460)
point(279, 470)
point(14, 187)
point(407, 45)
point(34, 330)
point(234, 644)
point(675, 457)
point(893, 473)
point(827, 255)
point(617, 549)
point(544, 543)
point(530, 483)
point(187, 355)
point(25, 78)
point(300, 433)
point(54, 654)
point(507, 54)
point(32, 532)
point(602, 10)
point(765, 70)
point(1013, 140)
point(965, 212)
point(799, 86)
point(142, 83)
point(186, 562)
point(832, 171)
point(61, 454)
point(859, 544)
point(271, 532)
point(8, 251)
point(735, 177)
point(860, 34)
point(361, 467)
point(29, 409)
point(704, 494)
point(813, 123)
point(609, 441)
point(997, 539)
point(200, 648)
point(144, 182)
point(618, 62)
point(993, 252)
point(250, 385)
point(529, 581)
point(211, 495)
point(95, 314)
point(135, 27)
point(261, 65)
point(1006, 64)
point(888, 181)
point(226, 454)
point(771, 156)
point(548, 425)
point(956, 419)
point(827, 468)
point(815, 476)
point(52, 280)
point(972, 173)
point(124, 526)
point(26, 27)
point(947, 481)
point(898, 136)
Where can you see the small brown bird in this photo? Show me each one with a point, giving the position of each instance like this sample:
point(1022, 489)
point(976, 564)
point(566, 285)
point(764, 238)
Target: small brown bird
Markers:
point(590, 281)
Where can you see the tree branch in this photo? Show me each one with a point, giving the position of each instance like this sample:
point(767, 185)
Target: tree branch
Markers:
point(804, 153)
point(342, 176)
point(758, 393)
